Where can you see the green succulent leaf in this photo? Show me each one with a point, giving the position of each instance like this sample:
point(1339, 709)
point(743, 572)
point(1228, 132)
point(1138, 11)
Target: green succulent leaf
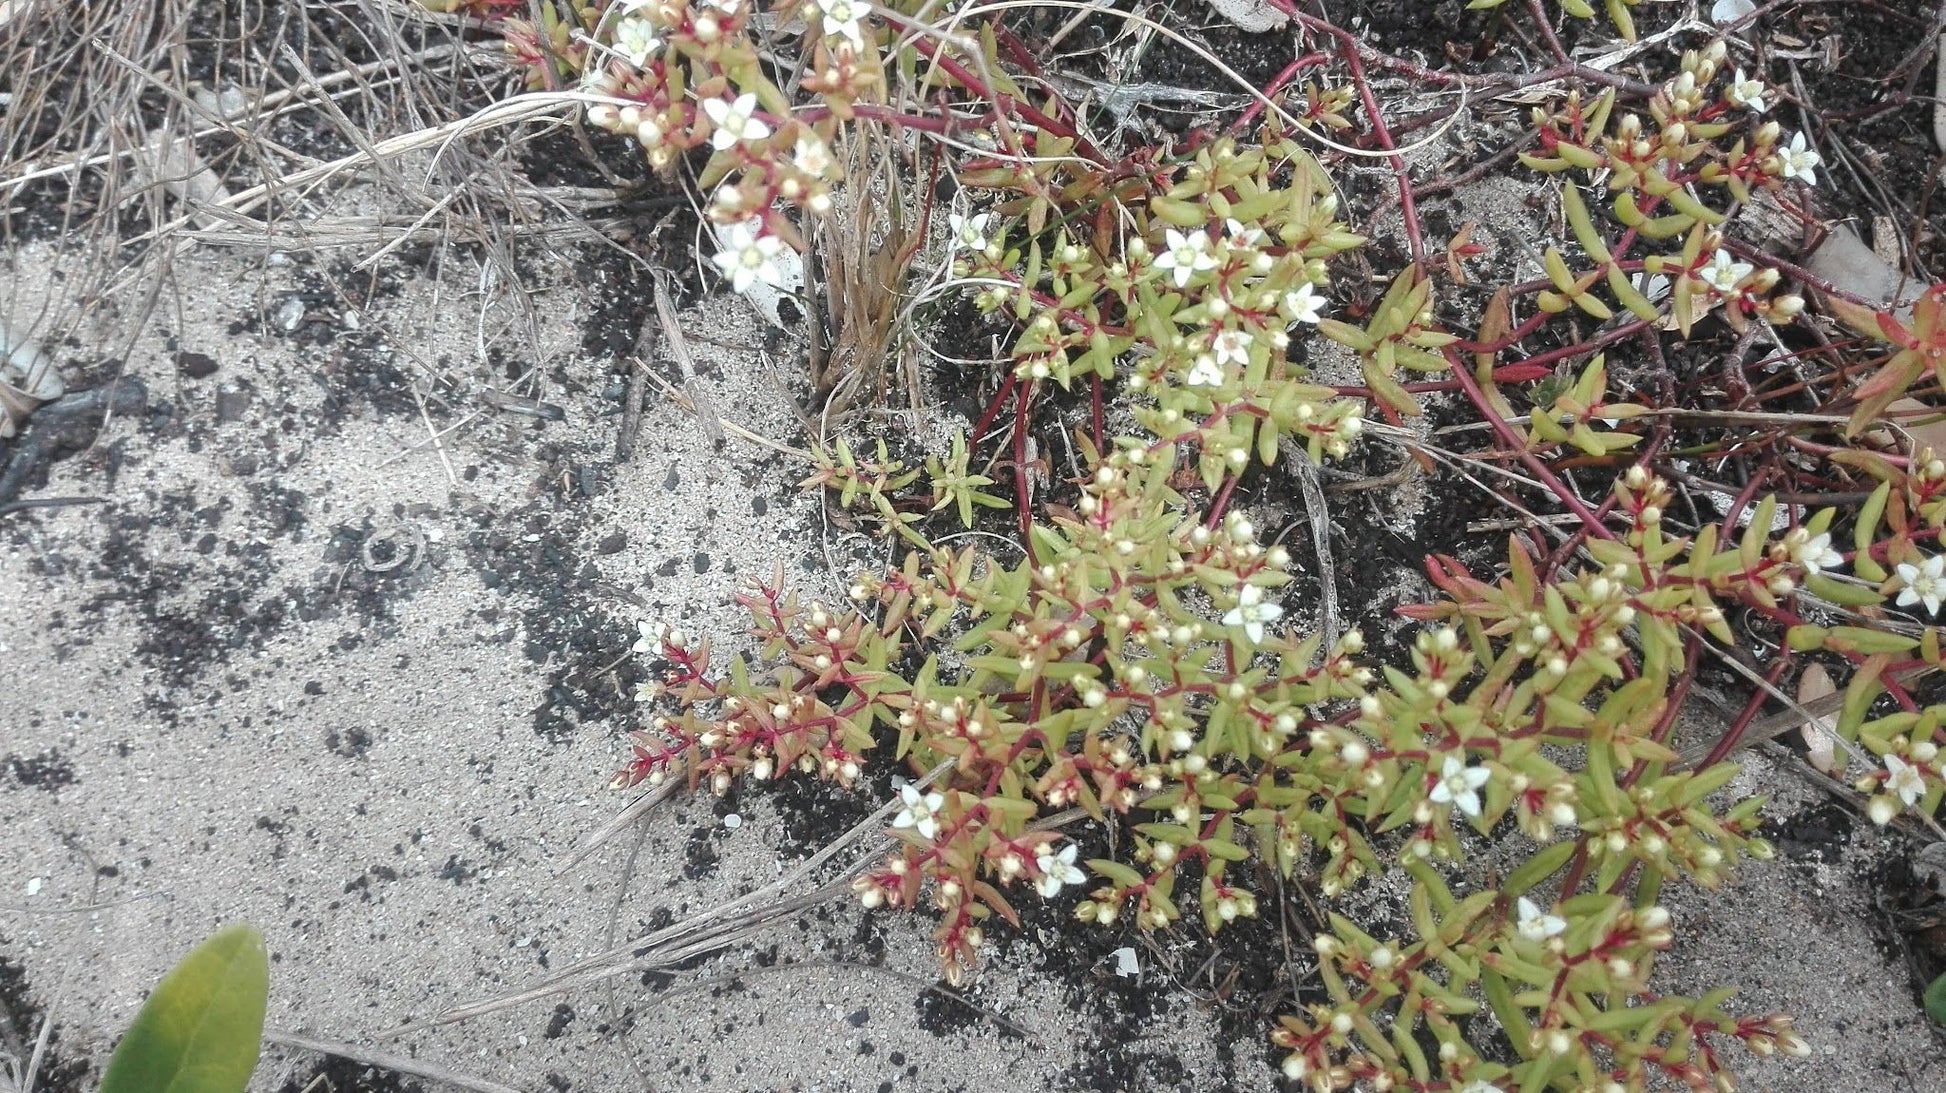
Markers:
point(201, 1031)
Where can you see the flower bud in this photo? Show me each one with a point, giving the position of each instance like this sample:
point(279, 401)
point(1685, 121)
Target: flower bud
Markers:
point(1882, 809)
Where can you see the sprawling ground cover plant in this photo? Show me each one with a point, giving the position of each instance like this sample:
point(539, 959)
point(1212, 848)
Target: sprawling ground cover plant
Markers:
point(1125, 661)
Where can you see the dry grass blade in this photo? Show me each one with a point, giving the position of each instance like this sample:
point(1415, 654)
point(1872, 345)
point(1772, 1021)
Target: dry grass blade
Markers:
point(672, 336)
point(865, 252)
point(709, 931)
point(1319, 517)
point(402, 1064)
point(712, 930)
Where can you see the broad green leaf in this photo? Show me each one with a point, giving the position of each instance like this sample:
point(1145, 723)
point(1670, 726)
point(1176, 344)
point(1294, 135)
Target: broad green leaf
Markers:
point(1935, 1000)
point(201, 1030)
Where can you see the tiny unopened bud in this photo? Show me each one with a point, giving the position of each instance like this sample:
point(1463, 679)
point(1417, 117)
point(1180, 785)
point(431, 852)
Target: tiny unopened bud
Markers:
point(1882, 809)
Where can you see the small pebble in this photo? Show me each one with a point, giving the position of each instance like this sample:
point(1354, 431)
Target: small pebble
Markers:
point(34, 886)
point(732, 821)
point(290, 314)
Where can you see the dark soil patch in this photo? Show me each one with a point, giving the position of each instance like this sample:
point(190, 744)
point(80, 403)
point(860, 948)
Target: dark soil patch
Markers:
point(1817, 834)
point(336, 1075)
point(1875, 135)
point(1911, 927)
point(20, 1023)
point(531, 553)
point(236, 602)
point(50, 770)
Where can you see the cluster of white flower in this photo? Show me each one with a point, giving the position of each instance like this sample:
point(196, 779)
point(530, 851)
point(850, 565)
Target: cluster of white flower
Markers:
point(1222, 350)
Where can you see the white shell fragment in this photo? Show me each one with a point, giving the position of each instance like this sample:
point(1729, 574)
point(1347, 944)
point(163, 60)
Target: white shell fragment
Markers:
point(172, 161)
point(1820, 733)
point(290, 314)
point(1729, 11)
point(24, 366)
point(1253, 16)
point(28, 378)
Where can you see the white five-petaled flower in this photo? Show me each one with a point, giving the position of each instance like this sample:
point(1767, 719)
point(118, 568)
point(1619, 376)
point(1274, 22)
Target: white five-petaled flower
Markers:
point(1231, 347)
point(1301, 303)
point(1536, 925)
point(749, 256)
point(650, 642)
point(735, 120)
point(967, 231)
point(1205, 372)
point(1185, 255)
point(1924, 583)
point(727, 7)
point(920, 812)
point(1748, 93)
point(1459, 785)
point(1723, 273)
point(1057, 871)
point(1478, 1087)
point(1904, 779)
point(812, 155)
point(1251, 612)
point(842, 19)
point(1816, 554)
point(635, 40)
point(1799, 161)
point(1243, 235)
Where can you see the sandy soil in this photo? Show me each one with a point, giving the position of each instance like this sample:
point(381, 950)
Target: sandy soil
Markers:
point(307, 669)
point(294, 674)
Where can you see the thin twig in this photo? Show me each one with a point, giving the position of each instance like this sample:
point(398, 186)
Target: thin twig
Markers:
point(402, 1064)
point(665, 310)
